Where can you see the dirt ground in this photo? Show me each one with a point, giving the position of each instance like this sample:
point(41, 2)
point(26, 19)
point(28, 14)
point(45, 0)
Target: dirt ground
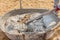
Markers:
point(8, 5)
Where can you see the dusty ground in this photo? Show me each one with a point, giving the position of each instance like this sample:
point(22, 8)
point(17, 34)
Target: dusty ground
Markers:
point(8, 5)
point(48, 4)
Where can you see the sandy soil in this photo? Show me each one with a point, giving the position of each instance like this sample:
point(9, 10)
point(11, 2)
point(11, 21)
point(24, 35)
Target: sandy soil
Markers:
point(8, 5)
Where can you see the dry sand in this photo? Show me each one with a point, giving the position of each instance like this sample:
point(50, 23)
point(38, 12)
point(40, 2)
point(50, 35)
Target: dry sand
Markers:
point(8, 5)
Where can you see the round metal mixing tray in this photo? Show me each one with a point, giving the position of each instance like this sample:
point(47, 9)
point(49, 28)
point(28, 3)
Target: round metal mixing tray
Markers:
point(22, 24)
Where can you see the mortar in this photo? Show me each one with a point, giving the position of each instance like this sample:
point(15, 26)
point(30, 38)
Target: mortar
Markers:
point(24, 35)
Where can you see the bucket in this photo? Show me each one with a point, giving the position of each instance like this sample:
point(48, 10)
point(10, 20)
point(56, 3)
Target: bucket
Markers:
point(24, 35)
